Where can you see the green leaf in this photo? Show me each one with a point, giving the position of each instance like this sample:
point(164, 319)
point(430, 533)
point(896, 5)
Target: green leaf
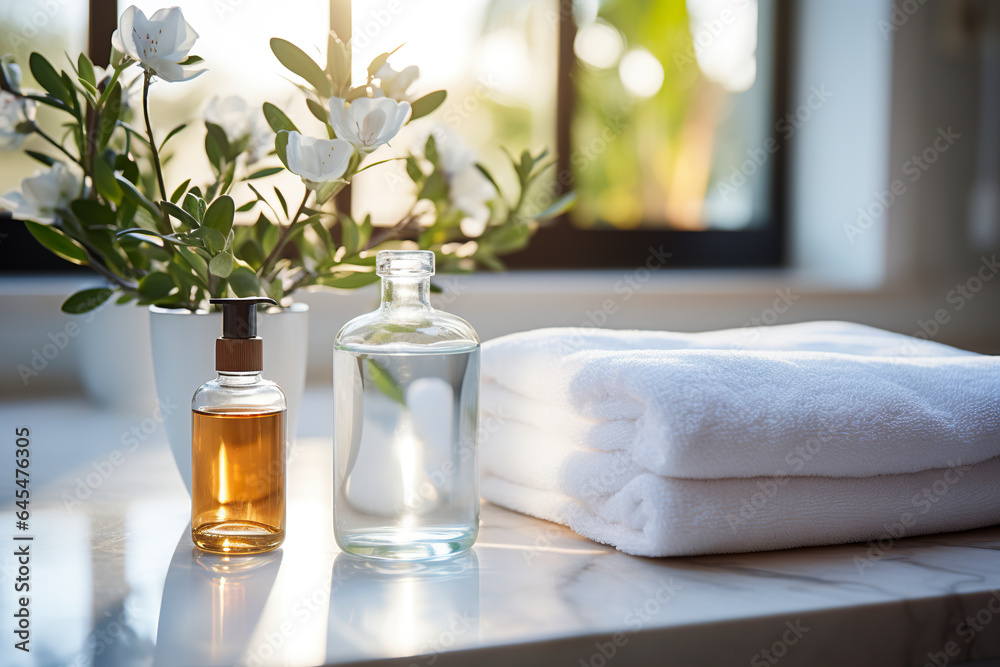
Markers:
point(194, 205)
point(507, 238)
point(383, 381)
point(132, 194)
point(195, 261)
point(264, 173)
point(109, 116)
point(350, 236)
point(106, 183)
point(281, 200)
point(91, 212)
point(251, 252)
point(296, 61)
point(179, 192)
point(215, 134)
point(348, 280)
point(171, 134)
point(47, 77)
point(281, 146)
point(277, 119)
point(86, 70)
point(219, 215)
point(489, 177)
point(182, 216)
point(222, 264)
point(430, 149)
point(183, 277)
point(86, 300)
point(434, 187)
point(215, 241)
point(380, 60)
point(244, 281)
point(338, 64)
point(427, 104)
point(413, 169)
point(318, 111)
point(156, 285)
point(246, 207)
point(58, 242)
point(192, 60)
point(42, 157)
point(524, 168)
point(90, 91)
point(558, 207)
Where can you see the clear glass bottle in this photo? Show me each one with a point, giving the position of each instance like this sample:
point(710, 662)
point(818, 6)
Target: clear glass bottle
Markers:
point(406, 399)
point(238, 444)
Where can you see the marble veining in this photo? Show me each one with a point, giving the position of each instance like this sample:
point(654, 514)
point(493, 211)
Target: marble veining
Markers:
point(116, 581)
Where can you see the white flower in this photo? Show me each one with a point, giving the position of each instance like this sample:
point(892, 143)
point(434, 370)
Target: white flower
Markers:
point(394, 84)
point(468, 190)
point(368, 122)
point(232, 114)
point(14, 110)
point(317, 160)
point(43, 194)
point(160, 43)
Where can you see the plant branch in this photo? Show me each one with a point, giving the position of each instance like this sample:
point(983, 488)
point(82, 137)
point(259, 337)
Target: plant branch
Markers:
point(149, 133)
point(116, 279)
point(40, 132)
point(390, 233)
point(283, 239)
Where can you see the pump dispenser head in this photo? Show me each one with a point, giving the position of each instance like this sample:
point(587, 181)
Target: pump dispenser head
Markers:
point(240, 350)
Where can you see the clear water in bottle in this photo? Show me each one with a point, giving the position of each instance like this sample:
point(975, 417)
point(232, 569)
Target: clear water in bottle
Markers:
point(407, 481)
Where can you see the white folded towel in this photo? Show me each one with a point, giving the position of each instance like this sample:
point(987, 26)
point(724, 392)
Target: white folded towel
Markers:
point(600, 430)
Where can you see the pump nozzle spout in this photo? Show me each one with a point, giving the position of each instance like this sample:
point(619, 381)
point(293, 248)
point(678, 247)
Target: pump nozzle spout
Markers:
point(239, 315)
point(239, 349)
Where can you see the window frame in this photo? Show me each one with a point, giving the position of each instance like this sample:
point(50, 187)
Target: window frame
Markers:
point(562, 246)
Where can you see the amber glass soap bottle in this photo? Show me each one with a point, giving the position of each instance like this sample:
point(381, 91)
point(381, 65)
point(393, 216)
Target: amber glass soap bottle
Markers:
point(238, 441)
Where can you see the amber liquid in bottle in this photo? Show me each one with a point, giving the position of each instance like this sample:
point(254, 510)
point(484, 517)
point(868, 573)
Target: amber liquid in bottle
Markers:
point(238, 479)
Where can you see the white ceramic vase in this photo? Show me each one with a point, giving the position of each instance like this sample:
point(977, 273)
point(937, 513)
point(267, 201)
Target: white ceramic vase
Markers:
point(114, 356)
point(184, 359)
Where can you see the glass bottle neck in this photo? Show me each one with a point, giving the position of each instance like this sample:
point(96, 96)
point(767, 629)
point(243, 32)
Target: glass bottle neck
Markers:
point(235, 379)
point(408, 292)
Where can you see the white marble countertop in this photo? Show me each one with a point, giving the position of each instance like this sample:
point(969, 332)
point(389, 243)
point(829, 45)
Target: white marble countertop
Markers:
point(115, 580)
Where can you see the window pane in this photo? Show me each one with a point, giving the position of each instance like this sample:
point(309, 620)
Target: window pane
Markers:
point(673, 98)
point(233, 38)
point(497, 60)
point(50, 28)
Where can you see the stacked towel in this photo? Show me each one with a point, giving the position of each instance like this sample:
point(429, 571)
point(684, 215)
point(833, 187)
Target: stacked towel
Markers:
point(676, 444)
